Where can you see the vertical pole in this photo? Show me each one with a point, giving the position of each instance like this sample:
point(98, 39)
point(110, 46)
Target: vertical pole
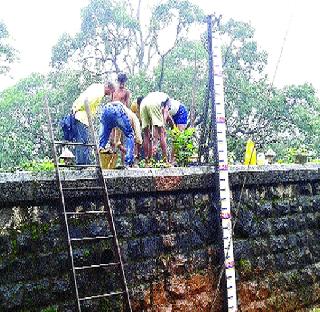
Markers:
point(221, 164)
point(213, 130)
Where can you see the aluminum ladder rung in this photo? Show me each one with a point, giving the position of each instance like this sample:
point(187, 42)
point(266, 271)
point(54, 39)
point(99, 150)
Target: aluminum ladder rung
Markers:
point(73, 143)
point(102, 296)
point(74, 213)
point(94, 266)
point(90, 238)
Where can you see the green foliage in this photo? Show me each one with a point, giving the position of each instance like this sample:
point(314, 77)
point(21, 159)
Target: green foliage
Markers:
point(37, 166)
point(23, 121)
point(185, 72)
point(245, 265)
point(183, 145)
point(8, 54)
point(50, 309)
point(153, 164)
point(115, 36)
point(296, 155)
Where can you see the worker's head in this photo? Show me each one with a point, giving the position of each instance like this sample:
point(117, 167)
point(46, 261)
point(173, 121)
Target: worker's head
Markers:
point(108, 88)
point(122, 79)
point(166, 103)
point(139, 100)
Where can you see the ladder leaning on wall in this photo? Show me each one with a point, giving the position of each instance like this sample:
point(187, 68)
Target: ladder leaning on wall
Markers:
point(107, 211)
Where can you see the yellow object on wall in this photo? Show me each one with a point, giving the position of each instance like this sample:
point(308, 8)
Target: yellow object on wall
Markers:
point(250, 157)
point(108, 161)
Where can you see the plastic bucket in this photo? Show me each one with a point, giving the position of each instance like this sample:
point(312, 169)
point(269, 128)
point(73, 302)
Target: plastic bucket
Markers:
point(108, 160)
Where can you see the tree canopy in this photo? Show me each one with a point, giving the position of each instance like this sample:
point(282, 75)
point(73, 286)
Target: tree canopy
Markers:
point(115, 36)
point(7, 53)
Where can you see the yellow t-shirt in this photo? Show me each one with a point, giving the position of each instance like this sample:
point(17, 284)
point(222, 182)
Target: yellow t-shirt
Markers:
point(94, 94)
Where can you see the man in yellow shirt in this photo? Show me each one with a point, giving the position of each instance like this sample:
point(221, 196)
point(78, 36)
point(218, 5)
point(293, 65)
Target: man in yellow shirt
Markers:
point(93, 94)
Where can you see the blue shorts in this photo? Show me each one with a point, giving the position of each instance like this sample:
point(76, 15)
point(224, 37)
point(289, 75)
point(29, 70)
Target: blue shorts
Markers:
point(181, 117)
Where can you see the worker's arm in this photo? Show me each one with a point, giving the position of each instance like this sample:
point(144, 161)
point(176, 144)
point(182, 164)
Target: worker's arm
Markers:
point(165, 113)
point(170, 121)
point(127, 98)
point(137, 129)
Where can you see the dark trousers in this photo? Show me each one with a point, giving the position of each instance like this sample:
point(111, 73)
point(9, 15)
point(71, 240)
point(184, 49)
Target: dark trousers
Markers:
point(82, 136)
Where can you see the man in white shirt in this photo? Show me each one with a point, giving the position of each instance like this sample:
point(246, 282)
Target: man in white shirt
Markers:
point(154, 112)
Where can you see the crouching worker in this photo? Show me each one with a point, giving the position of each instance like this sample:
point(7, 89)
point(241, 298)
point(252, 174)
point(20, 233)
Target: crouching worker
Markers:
point(178, 114)
point(116, 115)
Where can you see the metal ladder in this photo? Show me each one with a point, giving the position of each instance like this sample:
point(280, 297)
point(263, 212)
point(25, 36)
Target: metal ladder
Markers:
point(107, 211)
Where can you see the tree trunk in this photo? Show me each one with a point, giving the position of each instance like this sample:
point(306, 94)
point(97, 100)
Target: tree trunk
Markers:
point(193, 102)
point(161, 74)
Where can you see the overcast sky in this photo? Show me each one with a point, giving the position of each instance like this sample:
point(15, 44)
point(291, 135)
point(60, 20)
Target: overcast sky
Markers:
point(35, 26)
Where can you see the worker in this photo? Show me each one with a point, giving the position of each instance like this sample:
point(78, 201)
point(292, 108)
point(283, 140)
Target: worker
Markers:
point(135, 107)
point(117, 115)
point(121, 93)
point(178, 114)
point(94, 95)
point(154, 112)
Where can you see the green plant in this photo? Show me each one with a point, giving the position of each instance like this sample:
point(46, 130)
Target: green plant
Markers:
point(296, 155)
point(245, 265)
point(183, 145)
point(50, 309)
point(36, 166)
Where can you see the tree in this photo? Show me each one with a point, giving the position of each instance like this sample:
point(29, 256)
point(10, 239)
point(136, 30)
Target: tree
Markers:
point(185, 73)
point(7, 53)
point(255, 109)
point(23, 122)
point(115, 37)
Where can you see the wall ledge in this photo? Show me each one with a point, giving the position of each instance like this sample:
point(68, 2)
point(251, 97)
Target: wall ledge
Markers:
point(28, 186)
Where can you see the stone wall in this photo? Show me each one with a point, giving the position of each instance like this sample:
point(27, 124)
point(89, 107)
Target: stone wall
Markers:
point(169, 234)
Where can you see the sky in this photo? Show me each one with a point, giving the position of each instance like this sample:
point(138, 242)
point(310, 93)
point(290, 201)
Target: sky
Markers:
point(36, 25)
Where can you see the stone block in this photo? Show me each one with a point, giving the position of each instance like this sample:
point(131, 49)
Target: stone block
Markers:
point(152, 246)
point(282, 208)
point(243, 249)
point(305, 189)
point(122, 206)
point(180, 221)
point(123, 227)
point(145, 204)
point(202, 201)
point(166, 202)
point(264, 210)
point(184, 201)
point(160, 222)
point(142, 225)
point(135, 249)
point(307, 203)
point(265, 228)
